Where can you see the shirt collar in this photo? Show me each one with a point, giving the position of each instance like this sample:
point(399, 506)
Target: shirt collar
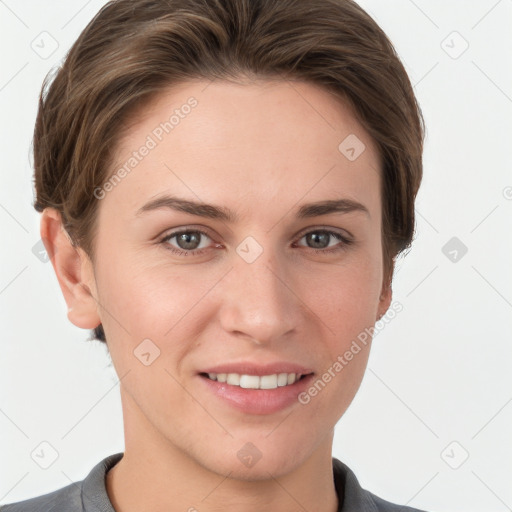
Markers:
point(352, 497)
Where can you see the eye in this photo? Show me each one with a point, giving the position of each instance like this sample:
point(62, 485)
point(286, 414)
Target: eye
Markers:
point(190, 242)
point(320, 239)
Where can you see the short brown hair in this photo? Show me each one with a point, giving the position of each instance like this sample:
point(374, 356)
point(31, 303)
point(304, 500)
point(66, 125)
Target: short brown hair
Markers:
point(134, 49)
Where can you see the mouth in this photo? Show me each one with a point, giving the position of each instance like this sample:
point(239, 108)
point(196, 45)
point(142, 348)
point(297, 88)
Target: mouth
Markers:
point(245, 381)
point(256, 390)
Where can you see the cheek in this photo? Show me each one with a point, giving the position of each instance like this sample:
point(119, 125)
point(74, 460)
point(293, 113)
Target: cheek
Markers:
point(161, 303)
point(141, 293)
point(344, 296)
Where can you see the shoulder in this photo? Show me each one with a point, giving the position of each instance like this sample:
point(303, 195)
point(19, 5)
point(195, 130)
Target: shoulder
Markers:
point(386, 506)
point(68, 498)
point(357, 499)
point(87, 495)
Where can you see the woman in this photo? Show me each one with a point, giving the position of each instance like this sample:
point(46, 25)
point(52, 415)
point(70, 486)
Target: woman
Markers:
point(224, 187)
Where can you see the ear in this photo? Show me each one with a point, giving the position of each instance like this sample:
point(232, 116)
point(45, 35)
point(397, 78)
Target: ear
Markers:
point(74, 271)
point(385, 300)
point(386, 294)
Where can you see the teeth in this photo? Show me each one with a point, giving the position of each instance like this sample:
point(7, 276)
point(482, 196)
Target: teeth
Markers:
point(282, 379)
point(233, 379)
point(256, 382)
point(249, 381)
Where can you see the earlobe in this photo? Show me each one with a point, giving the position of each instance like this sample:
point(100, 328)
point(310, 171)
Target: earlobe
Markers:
point(385, 299)
point(73, 269)
point(386, 293)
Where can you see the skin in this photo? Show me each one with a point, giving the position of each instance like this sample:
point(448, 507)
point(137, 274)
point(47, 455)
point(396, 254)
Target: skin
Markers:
point(260, 149)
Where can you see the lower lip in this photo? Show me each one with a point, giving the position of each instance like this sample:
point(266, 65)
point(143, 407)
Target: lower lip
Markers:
point(258, 401)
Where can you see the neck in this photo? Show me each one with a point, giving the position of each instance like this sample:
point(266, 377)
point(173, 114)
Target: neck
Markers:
point(154, 474)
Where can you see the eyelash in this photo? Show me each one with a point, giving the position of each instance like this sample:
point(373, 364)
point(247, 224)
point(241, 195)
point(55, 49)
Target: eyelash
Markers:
point(195, 252)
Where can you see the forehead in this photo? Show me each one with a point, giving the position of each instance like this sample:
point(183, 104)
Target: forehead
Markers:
point(260, 141)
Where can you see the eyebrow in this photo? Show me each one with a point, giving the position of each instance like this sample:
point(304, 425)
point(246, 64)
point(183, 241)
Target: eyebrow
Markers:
point(211, 211)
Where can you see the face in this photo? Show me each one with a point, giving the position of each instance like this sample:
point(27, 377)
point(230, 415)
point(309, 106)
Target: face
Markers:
point(247, 283)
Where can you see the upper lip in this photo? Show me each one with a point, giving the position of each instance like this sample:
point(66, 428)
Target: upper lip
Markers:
point(251, 368)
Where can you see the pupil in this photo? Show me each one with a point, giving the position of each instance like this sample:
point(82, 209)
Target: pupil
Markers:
point(186, 237)
point(315, 237)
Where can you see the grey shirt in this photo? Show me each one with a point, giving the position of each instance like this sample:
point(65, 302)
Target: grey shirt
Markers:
point(90, 494)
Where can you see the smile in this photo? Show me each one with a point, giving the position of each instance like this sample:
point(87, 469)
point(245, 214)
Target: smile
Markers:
point(255, 381)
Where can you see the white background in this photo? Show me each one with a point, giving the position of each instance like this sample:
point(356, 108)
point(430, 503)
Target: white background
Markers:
point(438, 386)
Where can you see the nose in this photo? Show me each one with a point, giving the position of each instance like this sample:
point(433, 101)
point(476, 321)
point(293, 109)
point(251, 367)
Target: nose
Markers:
point(258, 300)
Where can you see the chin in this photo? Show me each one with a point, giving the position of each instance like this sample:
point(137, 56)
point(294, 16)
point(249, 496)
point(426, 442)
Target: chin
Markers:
point(254, 461)
point(260, 470)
